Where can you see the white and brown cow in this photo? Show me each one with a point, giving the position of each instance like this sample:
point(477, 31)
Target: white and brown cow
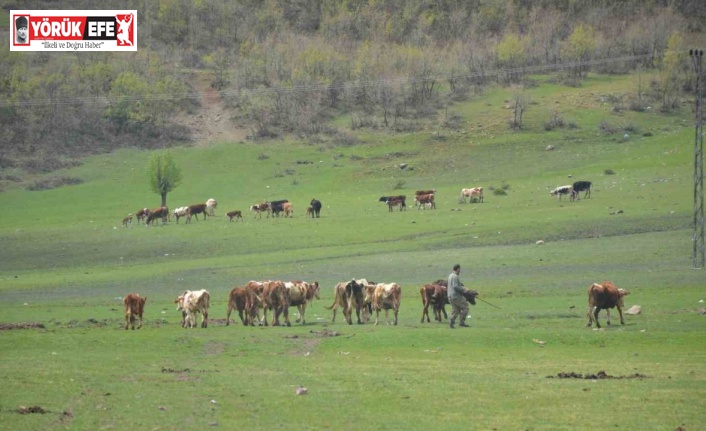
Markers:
point(258, 209)
point(604, 296)
point(562, 191)
point(179, 213)
point(473, 193)
point(192, 302)
point(142, 214)
point(387, 297)
point(302, 294)
point(424, 201)
point(275, 297)
point(348, 295)
point(134, 307)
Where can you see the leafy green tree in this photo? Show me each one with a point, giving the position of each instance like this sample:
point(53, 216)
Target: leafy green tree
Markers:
point(511, 53)
point(580, 47)
point(674, 71)
point(164, 175)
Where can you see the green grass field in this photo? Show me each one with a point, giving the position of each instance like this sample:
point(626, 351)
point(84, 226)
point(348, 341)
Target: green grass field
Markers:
point(66, 262)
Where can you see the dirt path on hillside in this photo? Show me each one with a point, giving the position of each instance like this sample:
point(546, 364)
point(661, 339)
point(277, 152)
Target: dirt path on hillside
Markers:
point(211, 123)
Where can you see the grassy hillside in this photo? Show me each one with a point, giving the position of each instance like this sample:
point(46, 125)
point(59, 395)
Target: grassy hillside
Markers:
point(65, 262)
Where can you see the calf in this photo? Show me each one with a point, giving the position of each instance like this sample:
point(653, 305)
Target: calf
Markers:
point(245, 300)
point(235, 215)
point(288, 209)
point(582, 186)
point(387, 296)
point(179, 212)
point(604, 296)
point(192, 302)
point(276, 297)
point(134, 307)
point(393, 201)
point(425, 201)
point(563, 190)
point(194, 210)
point(316, 207)
point(434, 295)
point(211, 206)
point(127, 220)
point(161, 213)
point(142, 214)
point(310, 211)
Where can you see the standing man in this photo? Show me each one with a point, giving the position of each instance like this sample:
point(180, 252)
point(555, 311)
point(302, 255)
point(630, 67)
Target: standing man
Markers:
point(21, 30)
point(459, 305)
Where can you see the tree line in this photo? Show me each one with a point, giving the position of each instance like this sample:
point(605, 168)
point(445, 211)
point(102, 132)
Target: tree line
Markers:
point(287, 66)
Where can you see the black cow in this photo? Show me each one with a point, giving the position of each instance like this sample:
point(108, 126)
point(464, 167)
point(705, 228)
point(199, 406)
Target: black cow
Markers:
point(277, 206)
point(316, 207)
point(393, 201)
point(582, 186)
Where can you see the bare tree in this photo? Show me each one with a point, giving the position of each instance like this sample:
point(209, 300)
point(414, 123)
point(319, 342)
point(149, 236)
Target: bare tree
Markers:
point(521, 102)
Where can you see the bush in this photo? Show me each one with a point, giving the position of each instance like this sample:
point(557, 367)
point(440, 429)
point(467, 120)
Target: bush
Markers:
point(400, 184)
point(607, 128)
point(609, 172)
point(555, 121)
point(52, 183)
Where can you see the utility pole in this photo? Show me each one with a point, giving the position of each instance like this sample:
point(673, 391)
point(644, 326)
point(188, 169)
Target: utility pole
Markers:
point(697, 56)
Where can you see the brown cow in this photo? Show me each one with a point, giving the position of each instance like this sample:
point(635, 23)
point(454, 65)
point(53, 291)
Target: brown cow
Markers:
point(276, 297)
point(142, 214)
point(301, 294)
point(127, 220)
point(434, 295)
point(423, 200)
point(604, 296)
point(194, 210)
point(235, 215)
point(347, 295)
point(260, 208)
point(243, 299)
point(154, 214)
point(134, 307)
point(387, 296)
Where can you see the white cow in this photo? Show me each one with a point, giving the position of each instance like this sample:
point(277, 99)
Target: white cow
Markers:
point(192, 302)
point(179, 212)
point(211, 205)
point(475, 192)
point(301, 294)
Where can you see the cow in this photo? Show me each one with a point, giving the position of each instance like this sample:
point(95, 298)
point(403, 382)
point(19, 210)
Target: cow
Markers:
point(276, 297)
point(582, 186)
point(604, 296)
point(347, 295)
point(127, 220)
point(154, 214)
point(472, 193)
point(245, 300)
point(288, 209)
point(301, 294)
point(387, 297)
point(316, 207)
point(436, 296)
point(563, 190)
point(192, 302)
point(195, 210)
point(310, 211)
point(424, 201)
point(179, 212)
point(368, 292)
point(277, 206)
point(211, 206)
point(393, 201)
point(134, 307)
point(258, 209)
point(235, 215)
point(142, 214)
point(422, 192)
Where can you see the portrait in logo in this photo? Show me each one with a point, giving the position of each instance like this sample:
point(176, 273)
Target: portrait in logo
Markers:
point(125, 29)
point(21, 30)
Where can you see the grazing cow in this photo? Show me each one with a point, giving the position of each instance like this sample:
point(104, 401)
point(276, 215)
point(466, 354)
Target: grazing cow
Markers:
point(347, 295)
point(436, 296)
point(563, 190)
point(604, 296)
point(235, 215)
point(301, 294)
point(277, 206)
point(142, 214)
point(316, 207)
point(161, 213)
point(260, 208)
point(179, 213)
point(127, 220)
point(192, 302)
point(393, 201)
point(472, 193)
point(387, 296)
point(195, 210)
point(211, 206)
point(582, 186)
point(424, 201)
point(288, 209)
point(134, 307)
point(276, 297)
point(244, 299)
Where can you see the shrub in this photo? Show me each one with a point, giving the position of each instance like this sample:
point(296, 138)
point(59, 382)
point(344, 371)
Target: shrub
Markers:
point(52, 183)
point(263, 156)
point(609, 172)
point(555, 121)
point(607, 128)
point(499, 192)
point(400, 184)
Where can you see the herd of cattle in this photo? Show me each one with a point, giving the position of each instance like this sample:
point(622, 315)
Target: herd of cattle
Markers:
point(423, 199)
point(361, 297)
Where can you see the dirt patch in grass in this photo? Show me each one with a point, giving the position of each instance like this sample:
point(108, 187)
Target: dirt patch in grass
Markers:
point(22, 325)
point(598, 376)
point(30, 410)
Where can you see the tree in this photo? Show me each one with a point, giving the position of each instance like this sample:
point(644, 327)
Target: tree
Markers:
point(164, 174)
point(579, 48)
